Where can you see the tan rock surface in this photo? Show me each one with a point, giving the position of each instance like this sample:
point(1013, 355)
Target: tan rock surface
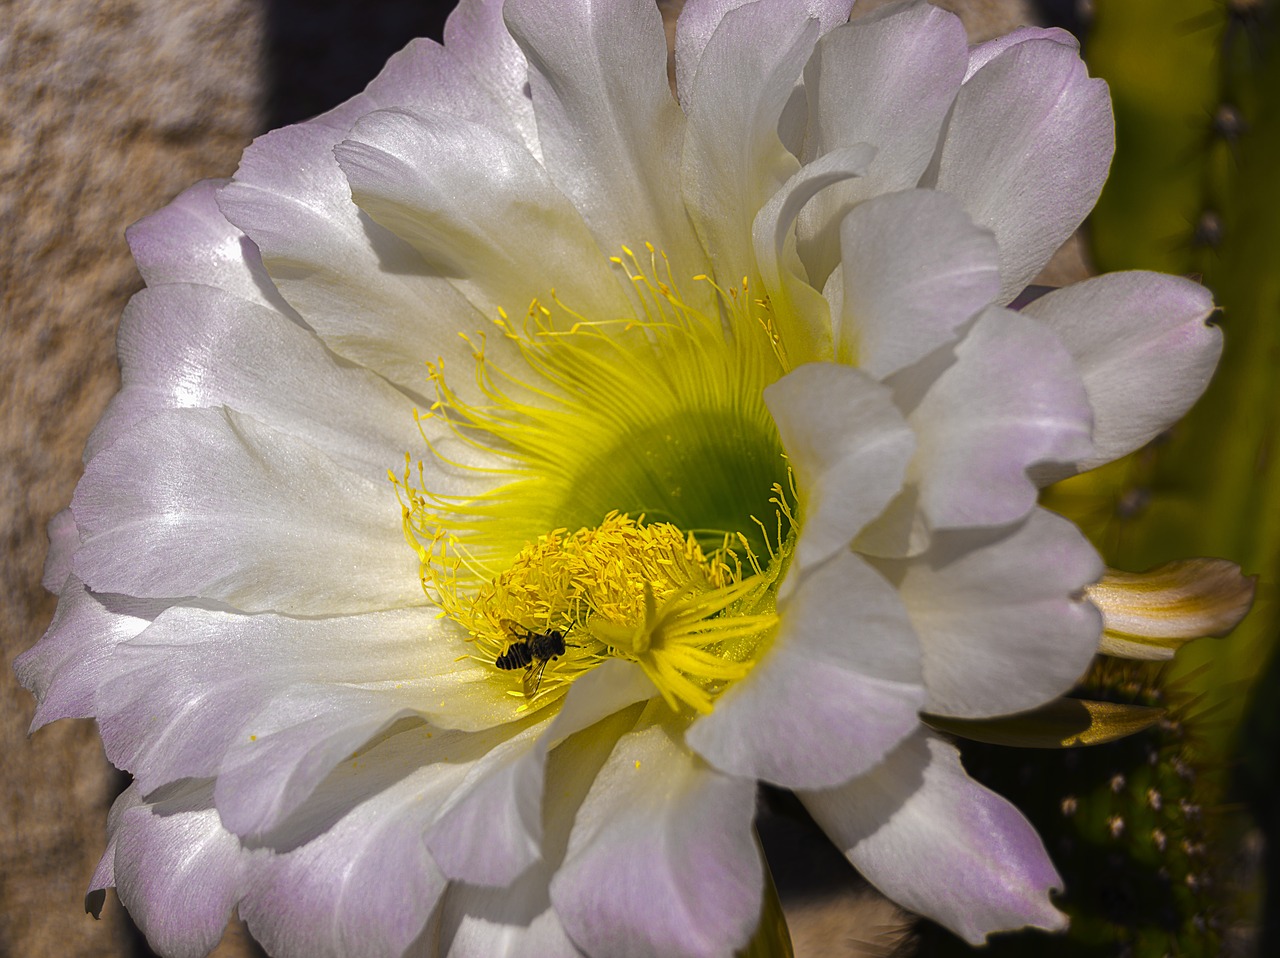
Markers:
point(107, 109)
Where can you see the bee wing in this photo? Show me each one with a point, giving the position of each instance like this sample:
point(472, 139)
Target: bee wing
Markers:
point(533, 677)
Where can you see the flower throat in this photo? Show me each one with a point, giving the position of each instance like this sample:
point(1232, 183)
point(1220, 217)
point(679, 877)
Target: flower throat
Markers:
point(648, 435)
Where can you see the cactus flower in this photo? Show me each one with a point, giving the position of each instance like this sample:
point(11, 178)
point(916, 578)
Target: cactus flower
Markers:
point(517, 464)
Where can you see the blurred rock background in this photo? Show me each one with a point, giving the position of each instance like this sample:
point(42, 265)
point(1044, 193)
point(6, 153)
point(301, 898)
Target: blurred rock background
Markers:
point(108, 108)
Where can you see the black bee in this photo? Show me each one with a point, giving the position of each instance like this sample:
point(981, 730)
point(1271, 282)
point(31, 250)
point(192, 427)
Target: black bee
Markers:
point(530, 651)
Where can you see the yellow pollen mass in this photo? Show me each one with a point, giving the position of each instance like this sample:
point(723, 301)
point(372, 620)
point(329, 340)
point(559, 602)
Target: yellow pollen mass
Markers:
point(623, 589)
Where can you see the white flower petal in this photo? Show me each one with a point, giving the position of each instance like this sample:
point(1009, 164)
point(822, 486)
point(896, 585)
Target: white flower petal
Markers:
point(938, 843)
point(349, 874)
point(490, 227)
point(846, 650)
point(1143, 347)
point(915, 267)
point(849, 448)
point(699, 20)
point(207, 502)
point(983, 53)
point(490, 831)
point(512, 922)
point(1027, 150)
point(1011, 399)
point(426, 76)
point(64, 540)
point(290, 745)
point(479, 73)
point(517, 920)
point(733, 159)
point(190, 241)
point(898, 532)
point(184, 346)
point(367, 293)
point(1002, 621)
point(73, 657)
point(661, 861)
point(902, 66)
point(199, 683)
point(609, 127)
point(477, 37)
point(176, 870)
point(803, 316)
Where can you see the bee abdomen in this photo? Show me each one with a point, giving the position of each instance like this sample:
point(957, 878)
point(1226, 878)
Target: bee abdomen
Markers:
point(518, 656)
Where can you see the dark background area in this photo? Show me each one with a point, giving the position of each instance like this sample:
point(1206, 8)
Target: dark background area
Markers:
point(321, 52)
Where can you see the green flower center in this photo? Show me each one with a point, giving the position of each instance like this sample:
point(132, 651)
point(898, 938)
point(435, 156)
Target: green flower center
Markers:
point(649, 436)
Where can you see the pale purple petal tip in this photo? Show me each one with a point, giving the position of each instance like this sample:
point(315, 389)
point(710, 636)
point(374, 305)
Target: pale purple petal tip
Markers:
point(1027, 150)
point(938, 843)
point(1143, 344)
point(76, 654)
point(177, 870)
point(661, 860)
